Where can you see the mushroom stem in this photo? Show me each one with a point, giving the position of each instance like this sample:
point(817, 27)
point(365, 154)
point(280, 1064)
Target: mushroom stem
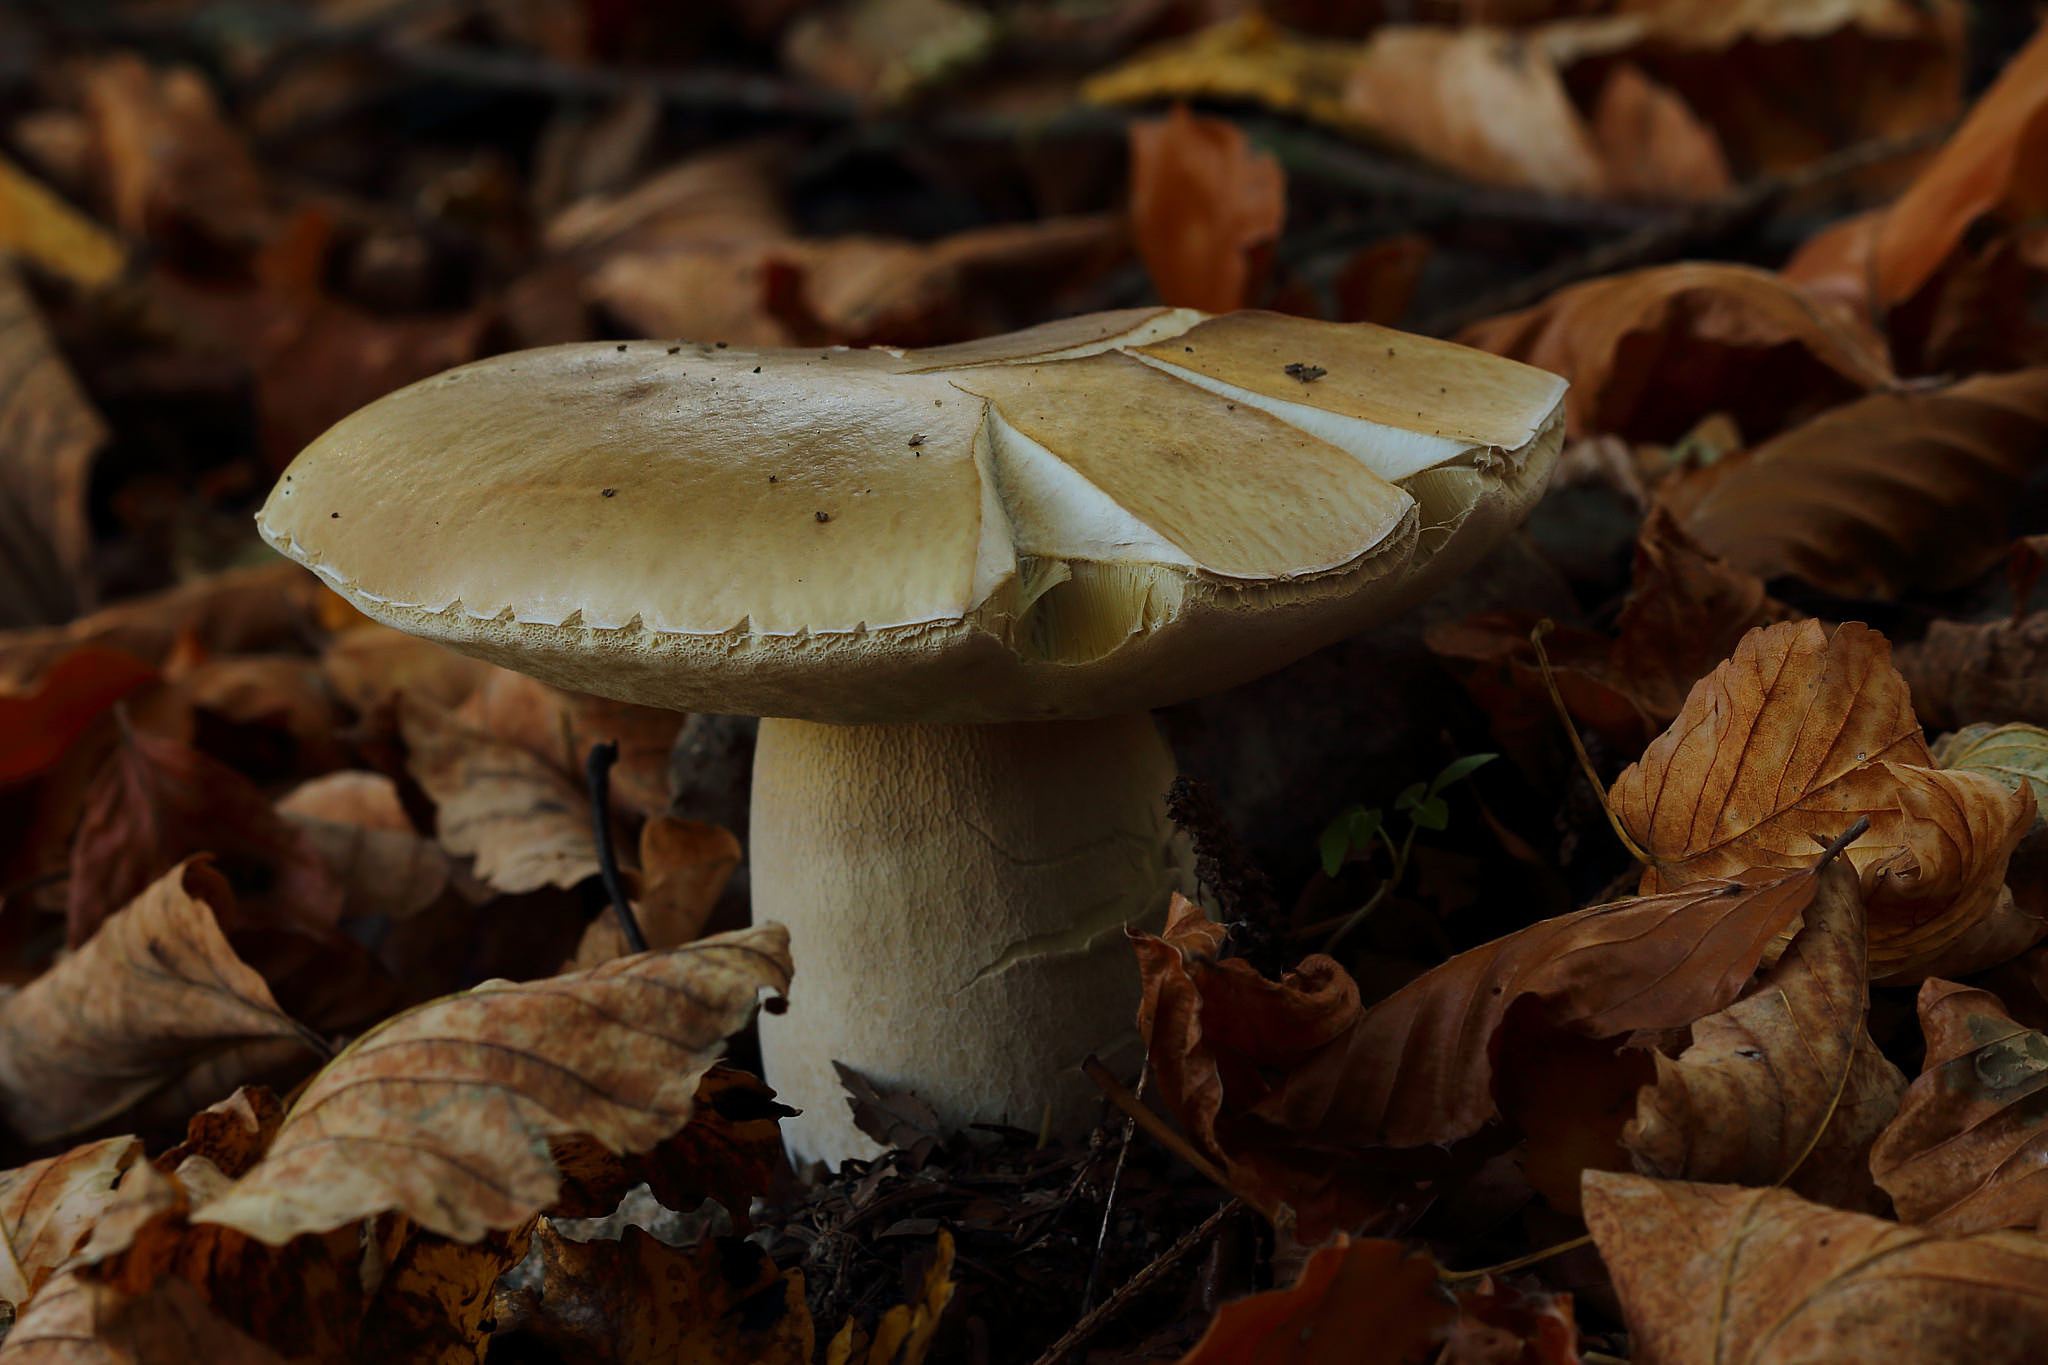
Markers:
point(956, 897)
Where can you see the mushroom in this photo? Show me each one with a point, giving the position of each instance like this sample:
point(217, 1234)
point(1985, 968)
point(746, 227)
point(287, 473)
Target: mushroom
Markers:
point(953, 582)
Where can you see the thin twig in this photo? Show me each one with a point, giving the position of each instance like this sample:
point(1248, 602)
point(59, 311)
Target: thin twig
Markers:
point(1137, 1284)
point(1571, 730)
point(1155, 1127)
point(1116, 1176)
point(1673, 237)
point(599, 770)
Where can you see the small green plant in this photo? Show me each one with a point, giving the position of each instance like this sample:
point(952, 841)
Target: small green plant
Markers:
point(1352, 835)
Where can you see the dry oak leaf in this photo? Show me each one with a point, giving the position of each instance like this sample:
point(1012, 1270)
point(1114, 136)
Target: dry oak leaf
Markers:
point(1205, 210)
point(156, 994)
point(48, 1207)
point(1734, 1276)
point(1784, 1086)
point(78, 1320)
point(1894, 493)
point(156, 802)
point(1781, 748)
point(1370, 1302)
point(444, 1113)
point(636, 1301)
point(1287, 1081)
point(1651, 352)
point(1969, 1149)
point(49, 435)
point(526, 823)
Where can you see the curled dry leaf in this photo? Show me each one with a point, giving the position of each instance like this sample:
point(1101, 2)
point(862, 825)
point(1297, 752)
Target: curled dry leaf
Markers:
point(525, 822)
point(154, 995)
point(1718, 1273)
point(684, 866)
point(2015, 754)
point(1364, 1301)
point(230, 1135)
point(1287, 1081)
point(80, 1321)
point(1652, 143)
point(1651, 352)
point(1205, 210)
point(49, 434)
point(359, 826)
point(1784, 746)
point(1784, 1086)
point(444, 1113)
point(635, 1301)
point(156, 802)
point(1963, 672)
point(1969, 1149)
point(48, 1207)
point(1894, 493)
point(562, 726)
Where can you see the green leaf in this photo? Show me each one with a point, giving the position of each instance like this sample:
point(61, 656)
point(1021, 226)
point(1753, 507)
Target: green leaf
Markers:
point(1458, 769)
point(1411, 797)
point(1352, 830)
point(1432, 813)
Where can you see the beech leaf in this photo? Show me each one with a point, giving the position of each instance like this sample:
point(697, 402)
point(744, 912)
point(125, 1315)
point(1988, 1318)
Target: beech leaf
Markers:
point(2016, 754)
point(1783, 1086)
point(1734, 1276)
point(1969, 1148)
point(156, 994)
point(1205, 210)
point(48, 1207)
point(444, 1113)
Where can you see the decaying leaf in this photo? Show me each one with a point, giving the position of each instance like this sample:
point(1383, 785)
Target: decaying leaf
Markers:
point(369, 666)
point(155, 803)
point(684, 866)
point(1969, 1149)
point(356, 822)
point(1651, 352)
point(562, 727)
point(526, 824)
point(48, 1207)
point(1205, 210)
point(49, 434)
point(1370, 1300)
point(1991, 672)
point(1287, 1081)
point(80, 1321)
point(2015, 754)
point(636, 1301)
point(1801, 732)
point(613, 1053)
point(1784, 1086)
point(230, 1135)
point(1893, 493)
point(156, 993)
point(1718, 1273)
point(432, 1301)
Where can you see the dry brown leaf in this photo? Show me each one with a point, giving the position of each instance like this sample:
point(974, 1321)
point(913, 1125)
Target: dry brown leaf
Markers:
point(1205, 210)
point(1371, 1302)
point(79, 1321)
point(433, 1302)
point(614, 1053)
point(1995, 671)
point(40, 722)
point(563, 726)
point(526, 823)
point(358, 824)
point(49, 435)
point(154, 994)
point(370, 666)
point(48, 1207)
point(635, 1301)
point(156, 803)
point(40, 228)
point(1784, 1086)
point(885, 51)
point(1801, 732)
point(1895, 493)
point(684, 866)
point(1652, 144)
point(1717, 1273)
point(1651, 352)
point(231, 1135)
point(172, 168)
point(1968, 1151)
point(278, 708)
point(1285, 1082)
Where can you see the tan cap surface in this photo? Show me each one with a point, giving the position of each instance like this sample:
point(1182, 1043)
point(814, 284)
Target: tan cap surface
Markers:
point(1103, 514)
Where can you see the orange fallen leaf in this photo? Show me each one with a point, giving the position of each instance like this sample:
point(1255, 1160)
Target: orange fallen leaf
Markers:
point(1651, 352)
point(48, 1207)
point(38, 726)
point(1371, 1302)
point(1718, 1273)
point(1784, 1086)
point(1205, 210)
point(1893, 493)
point(1801, 732)
point(614, 1053)
point(1968, 1151)
point(1288, 1082)
point(156, 993)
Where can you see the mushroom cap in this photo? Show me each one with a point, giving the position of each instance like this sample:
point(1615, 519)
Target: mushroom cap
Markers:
point(1103, 514)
